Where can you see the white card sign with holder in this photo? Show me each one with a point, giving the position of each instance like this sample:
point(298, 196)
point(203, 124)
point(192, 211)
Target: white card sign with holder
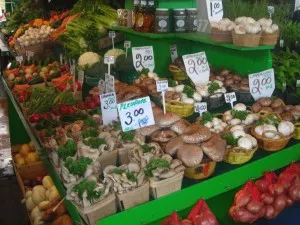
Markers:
point(136, 114)
point(127, 45)
point(101, 86)
point(109, 83)
point(109, 60)
point(162, 85)
point(200, 107)
point(112, 35)
point(230, 98)
point(80, 76)
point(214, 10)
point(298, 84)
point(19, 59)
point(109, 107)
point(143, 57)
point(262, 84)
point(29, 54)
point(173, 52)
point(197, 67)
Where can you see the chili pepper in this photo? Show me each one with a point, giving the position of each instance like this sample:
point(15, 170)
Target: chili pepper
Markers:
point(34, 118)
point(62, 87)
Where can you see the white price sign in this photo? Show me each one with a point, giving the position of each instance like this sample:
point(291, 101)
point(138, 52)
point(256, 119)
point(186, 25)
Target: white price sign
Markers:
point(29, 54)
point(297, 5)
point(143, 57)
point(271, 10)
point(109, 83)
point(109, 107)
point(136, 114)
point(19, 59)
point(112, 34)
point(174, 53)
point(101, 86)
point(197, 67)
point(127, 44)
point(200, 107)
point(262, 84)
point(214, 10)
point(162, 85)
point(80, 76)
point(298, 83)
point(109, 60)
point(230, 98)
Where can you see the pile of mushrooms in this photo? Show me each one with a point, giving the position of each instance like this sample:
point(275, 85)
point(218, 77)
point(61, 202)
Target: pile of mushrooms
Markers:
point(246, 25)
point(148, 81)
point(267, 26)
point(184, 93)
point(214, 124)
point(224, 24)
point(250, 118)
point(213, 89)
point(195, 140)
point(245, 141)
point(124, 178)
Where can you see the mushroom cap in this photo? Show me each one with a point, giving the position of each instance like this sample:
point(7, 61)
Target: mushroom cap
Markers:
point(180, 126)
point(163, 135)
point(190, 155)
point(295, 112)
point(215, 148)
point(147, 131)
point(276, 103)
point(265, 101)
point(287, 116)
point(166, 120)
point(156, 111)
point(173, 145)
point(195, 134)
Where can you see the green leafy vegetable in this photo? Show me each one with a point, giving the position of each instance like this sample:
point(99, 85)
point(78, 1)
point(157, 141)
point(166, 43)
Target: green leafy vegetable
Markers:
point(213, 87)
point(46, 124)
point(88, 186)
point(147, 148)
point(90, 122)
point(154, 164)
point(240, 114)
point(206, 117)
point(128, 136)
point(172, 83)
point(94, 142)
point(89, 133)
point(230, 140)
point(69, 149)
point(78, 167)
point(270, 119)
point(130, 176)
point(50, 132)
point(189, 91)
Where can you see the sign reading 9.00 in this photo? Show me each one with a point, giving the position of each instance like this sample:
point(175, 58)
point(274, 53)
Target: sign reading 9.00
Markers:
point(136, 114)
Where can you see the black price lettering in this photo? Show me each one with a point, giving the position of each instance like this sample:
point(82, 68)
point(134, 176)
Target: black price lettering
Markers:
point(106, 104)
point(216, 5)
point(192, 68)
point(138, 62)
point(258, 85)
point(128, 114)
point(138, 112)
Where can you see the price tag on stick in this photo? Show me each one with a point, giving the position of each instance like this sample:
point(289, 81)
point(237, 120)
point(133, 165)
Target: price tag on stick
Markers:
point(136, 114)
point(262, 84)
point(214, 10)
point(173, 52)
point(127, 45)
point(19, 59)
point(271, 10)
point(80, 76)
point(197, 67)
point(143, 57)
point(101, 86)
point(29, 54)
point(109, 83)
point(230, 98)
point(200, 107)
point(109, 60)
point(162, 86)
point(112, 35)
point(109, 107)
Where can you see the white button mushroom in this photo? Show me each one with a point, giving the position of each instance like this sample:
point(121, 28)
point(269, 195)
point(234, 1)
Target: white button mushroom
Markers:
point(245, 142)
point(240, 107)
point(238, 133)
point(235, 121)
point(236, 127)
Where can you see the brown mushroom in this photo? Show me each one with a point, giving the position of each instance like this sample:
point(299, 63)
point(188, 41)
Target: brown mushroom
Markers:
point(224, 72)
point(245, 87)
point(265, 101)
point(166, 120)
point(195, 134)
point(297, 107)
point(256, 107)
point(295, 113)
point(276, 103)
point(163, 136)
point(173, 146)
point(220, 78)
point(228, 82)
point(288, 107)
point(147, 131)
point(215, 148)
point(278, 110)
point(180, 126)
point(156, 111)
point(237, 78)
point(287, 116)
point(190, 155)
point(267, 109)
point(245, 81)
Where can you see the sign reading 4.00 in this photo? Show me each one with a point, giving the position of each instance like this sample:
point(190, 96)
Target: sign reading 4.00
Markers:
point(136, 114)
point(197, 67)
point(262, 84)
point(143, 57)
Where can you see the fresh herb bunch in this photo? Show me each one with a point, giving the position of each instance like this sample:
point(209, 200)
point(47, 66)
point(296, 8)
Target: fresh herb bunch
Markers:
point(78, 167)
point(147, 148)
point(172, 83)
point(239, 114)
point(89, 133)
point(213, 87)
point(88, 186)
point(128, 136)
point(270, 119)
point(189, 91)
point(206, 117)
point(95, 111)
point(90, 122)
point(50, 132)
point(69, 149)
point(144, 71)
point(230, 140)
point(94, 142)
point(46, 124)
point(154, 164)
point(130, 176)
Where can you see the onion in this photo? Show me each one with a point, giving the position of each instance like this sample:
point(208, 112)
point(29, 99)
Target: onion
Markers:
point(262, 185)
point(242, 198)
point(242, 215)
point(289, 201)
point(294, 192)
point(254, 206)
point(280, 203)
point(276, 189)
point(270, 212)
point(267, 198)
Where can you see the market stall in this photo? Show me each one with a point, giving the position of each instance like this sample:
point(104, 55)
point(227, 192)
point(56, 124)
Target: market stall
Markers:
point(136, 116)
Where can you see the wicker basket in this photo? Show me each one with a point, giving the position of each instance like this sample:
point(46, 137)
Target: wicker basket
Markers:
point(201, 171)
point(246, 40)
point(297, 131)
point(177, 73)
point(238, 155)
point(269, 39)
point(214, 102)
point(247, 128)
point(108, 158)
point(271, 145)
point(133, 198)
point(41, 50)
point(101, 209)
point(221, 36)
point(166, 186)
point(181, 109)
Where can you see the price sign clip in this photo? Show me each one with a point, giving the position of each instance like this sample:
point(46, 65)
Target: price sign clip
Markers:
point(127, 45)
point(200, 107)
point(230, 98)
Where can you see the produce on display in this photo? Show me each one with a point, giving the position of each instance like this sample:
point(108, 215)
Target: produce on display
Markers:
point(27, 155)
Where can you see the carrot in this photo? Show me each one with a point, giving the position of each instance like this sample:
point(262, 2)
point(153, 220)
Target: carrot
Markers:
point(61, 80)
point(21, 88)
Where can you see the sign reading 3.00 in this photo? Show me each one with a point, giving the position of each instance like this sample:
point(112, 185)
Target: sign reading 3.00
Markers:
point(197, 67)
point(136, 114)
point(262, 84)
point(109, 107)
point(143, 57)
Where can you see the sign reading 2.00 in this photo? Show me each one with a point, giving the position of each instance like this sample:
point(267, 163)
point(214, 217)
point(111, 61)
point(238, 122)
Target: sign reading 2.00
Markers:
point(262, 84)
point(136, 114)
point(143, 57)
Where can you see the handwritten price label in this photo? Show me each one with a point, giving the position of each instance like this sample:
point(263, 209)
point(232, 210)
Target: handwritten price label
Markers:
point(127, 44)
point(109, 60)
point(200, 107)
point(109, 107)
point(230, 98)
point(136, 114)
point(112, 34)
point(197, 67)
point(109, 83)
point(173, 52)
point(162, 85)
point(80, 76)
point(262, 84)
point(101, 86)
point(143, 57)
point(214, 10)
point(19, 59)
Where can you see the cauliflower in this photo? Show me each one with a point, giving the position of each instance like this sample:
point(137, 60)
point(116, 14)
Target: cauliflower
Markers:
point(88, 59)
point(115, 52)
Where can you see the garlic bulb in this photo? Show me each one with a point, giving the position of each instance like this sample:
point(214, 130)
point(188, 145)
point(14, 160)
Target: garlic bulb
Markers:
point(225, 21)
point(275, 27)
point(223, 27)
point(265, 22)
point(214, 25)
